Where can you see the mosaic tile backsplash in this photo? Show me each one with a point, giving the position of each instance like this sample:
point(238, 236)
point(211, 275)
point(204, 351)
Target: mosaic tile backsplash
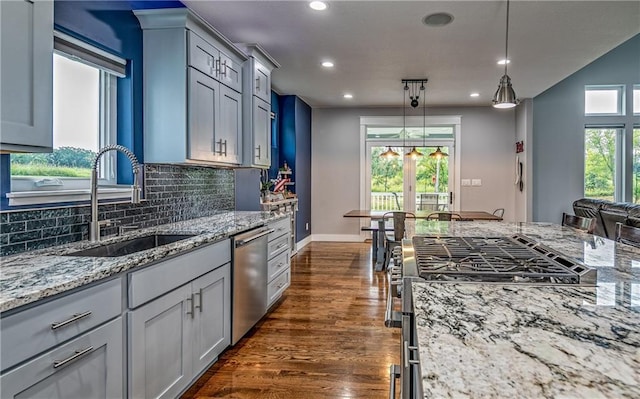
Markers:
point(173, 193)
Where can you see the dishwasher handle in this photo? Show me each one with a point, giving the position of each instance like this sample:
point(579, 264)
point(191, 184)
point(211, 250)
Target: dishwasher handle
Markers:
point(245, 240)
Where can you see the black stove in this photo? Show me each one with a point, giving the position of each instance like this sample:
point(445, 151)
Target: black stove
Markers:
point(514, 259)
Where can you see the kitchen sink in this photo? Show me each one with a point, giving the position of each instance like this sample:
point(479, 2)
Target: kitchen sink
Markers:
point(131, 246)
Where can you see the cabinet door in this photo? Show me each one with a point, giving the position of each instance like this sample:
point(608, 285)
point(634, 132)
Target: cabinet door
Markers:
point(160, 346)
point(212, 329)
point(262, 83)
point(204, 94)
point(26, 75)
point(262, 132)
point(202, 55)
point(230, 132)
point(89, 366)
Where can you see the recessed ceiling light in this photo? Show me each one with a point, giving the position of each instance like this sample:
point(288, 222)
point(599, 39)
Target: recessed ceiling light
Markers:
point(327, 64)
point(318, 5)
point(437, 19)
point(503, 61)
point(474, 95)
point(347, 95)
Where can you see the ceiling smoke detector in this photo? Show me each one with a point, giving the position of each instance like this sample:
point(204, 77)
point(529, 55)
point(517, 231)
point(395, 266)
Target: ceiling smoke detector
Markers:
point(437, 19)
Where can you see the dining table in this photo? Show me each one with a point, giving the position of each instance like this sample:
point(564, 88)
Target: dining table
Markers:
point(378, 229)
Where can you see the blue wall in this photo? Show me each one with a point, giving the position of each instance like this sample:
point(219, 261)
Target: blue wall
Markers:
point(295, 149)
point(558, 129)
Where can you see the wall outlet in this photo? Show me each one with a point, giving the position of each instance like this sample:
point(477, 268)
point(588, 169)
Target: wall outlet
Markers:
point(307, 226)
point(476, 182)
point(465, 182)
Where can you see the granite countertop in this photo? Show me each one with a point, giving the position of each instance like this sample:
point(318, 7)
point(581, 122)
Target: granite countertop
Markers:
point(506, 340)
point(36, 275)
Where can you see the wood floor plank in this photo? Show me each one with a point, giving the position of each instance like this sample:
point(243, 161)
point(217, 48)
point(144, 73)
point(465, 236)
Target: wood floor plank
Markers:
point(325, 339)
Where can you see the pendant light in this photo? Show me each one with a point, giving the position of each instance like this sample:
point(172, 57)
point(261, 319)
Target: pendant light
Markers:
point(415, 97)
point(505, 96)
point(438, 154)
point(389, 154)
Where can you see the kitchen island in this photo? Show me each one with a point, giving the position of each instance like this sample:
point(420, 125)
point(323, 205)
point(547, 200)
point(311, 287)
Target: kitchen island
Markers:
point(510, 340)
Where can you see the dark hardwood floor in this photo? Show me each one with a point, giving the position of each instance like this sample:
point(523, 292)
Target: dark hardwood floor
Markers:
point(324, 339)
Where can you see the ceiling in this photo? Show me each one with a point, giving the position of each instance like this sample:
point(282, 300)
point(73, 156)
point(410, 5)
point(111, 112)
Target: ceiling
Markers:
point(375, 44)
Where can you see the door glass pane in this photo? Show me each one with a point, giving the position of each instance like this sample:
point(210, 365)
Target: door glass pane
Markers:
point(386, 180)
point(432, 180)
point(636, 165)
point(600, 163)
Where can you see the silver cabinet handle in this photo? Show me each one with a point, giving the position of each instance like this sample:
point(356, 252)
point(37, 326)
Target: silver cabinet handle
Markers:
point(225, 147)
point(224, 72)
point(407, 357)
point(259, 152)
point(75, 356)
point(258, 83)
point(213, 69)
point(217, 66)
point(75, 317)
point(394, 374)
point(199, 295)
point(191, 311)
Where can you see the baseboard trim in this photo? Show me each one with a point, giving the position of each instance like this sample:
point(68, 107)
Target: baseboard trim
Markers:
point(337, 237)
point(303, 243)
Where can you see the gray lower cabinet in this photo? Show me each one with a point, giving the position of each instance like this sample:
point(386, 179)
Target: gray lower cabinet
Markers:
point(173, 338)
point(89, 366)
point(279, 255)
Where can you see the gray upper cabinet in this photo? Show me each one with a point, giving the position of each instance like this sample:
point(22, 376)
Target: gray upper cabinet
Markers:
point(257, 104)
point(26, 76)
point(192, 77)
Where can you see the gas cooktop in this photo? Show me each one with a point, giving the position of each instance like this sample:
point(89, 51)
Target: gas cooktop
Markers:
point(515, 259)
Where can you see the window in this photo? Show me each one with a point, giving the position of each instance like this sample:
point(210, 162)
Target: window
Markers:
point(636, 165)
point(636, 100)
point(604, 100)
point(600, 163)
point(84, 120)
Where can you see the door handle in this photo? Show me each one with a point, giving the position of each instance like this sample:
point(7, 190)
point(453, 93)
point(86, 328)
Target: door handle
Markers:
point(75, 356)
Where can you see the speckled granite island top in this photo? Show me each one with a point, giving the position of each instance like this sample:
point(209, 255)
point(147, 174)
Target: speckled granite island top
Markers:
point(31, 276)
point(481, 340)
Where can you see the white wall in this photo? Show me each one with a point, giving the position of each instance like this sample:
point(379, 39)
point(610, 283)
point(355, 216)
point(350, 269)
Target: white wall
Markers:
point(487, 152)
point(524, 132)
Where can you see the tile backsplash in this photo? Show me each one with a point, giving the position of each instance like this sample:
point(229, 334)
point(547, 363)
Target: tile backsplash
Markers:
point(172, 193)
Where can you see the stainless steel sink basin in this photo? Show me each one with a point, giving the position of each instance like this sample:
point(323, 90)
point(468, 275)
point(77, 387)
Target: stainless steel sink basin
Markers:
point(131, 246)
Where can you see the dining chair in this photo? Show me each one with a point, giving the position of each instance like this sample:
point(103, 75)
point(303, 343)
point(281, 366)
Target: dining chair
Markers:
point(579, 222)
point(628, 234)
point(499, 212)
point(394, 238)
point(444, 216)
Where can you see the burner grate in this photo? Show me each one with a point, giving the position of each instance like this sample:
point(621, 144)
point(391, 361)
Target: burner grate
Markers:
point(496, 259)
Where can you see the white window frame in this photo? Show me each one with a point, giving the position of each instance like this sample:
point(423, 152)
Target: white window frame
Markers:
point(620, 89)
point(46, 190)
point(636, 89)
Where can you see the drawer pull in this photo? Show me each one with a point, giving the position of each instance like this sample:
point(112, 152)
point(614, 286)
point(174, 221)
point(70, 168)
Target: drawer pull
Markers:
point(76, 317)
point(191, 306)
point(199, 295)
point(75, 356)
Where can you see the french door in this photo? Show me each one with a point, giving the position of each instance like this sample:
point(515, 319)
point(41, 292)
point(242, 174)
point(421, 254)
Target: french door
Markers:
point(402, 183)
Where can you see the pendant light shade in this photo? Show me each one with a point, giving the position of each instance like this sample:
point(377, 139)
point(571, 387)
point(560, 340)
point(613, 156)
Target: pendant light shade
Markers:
point(389, 153)
point(438, 154)
point(505, 96)
point(414, 153)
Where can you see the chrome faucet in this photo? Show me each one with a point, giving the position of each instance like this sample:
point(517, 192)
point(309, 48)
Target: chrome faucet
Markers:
point(94, 225)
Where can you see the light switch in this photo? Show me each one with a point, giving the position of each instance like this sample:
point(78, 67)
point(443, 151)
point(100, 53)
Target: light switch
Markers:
point(476, 182)
point(466, 182)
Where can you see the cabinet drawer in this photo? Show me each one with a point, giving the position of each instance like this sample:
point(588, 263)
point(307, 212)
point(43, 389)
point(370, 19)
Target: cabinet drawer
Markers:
point(278, 264)
point(156, 280)
point(280, 228)
point(89, 366)
point(202, 55)
point(277, 286)
point(280, 244)
point(230, 72)
point(37, 329)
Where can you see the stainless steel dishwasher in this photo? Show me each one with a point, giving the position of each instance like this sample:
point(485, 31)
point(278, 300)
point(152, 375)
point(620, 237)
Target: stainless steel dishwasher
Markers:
point(249, 279)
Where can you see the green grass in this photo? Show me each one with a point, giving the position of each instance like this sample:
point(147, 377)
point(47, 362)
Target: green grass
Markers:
point(48, 170)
